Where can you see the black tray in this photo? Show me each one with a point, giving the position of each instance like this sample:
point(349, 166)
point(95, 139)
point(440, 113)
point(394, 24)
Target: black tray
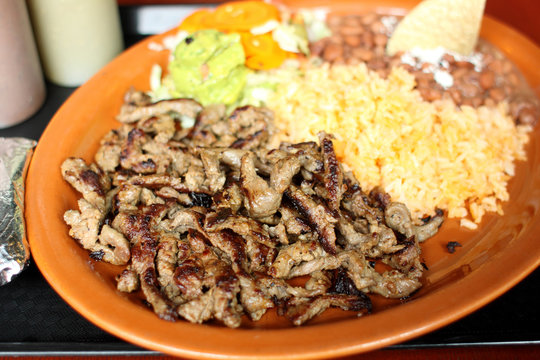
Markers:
point(36, 321)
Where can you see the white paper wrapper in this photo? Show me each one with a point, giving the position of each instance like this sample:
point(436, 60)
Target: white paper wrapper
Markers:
point(15, 154)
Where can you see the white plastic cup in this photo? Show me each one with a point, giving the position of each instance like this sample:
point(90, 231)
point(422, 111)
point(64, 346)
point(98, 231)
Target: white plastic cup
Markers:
point(75, 38)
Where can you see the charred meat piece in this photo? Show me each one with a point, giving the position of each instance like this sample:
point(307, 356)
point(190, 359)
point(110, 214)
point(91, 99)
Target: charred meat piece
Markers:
point(130, 113)
point(108, 154)
point(211, 224)
point(300, 310)
point(85, 225)
point(90, 181)
point(333, 178)
point(398, 218)
point(319, 217)
point(261, 200)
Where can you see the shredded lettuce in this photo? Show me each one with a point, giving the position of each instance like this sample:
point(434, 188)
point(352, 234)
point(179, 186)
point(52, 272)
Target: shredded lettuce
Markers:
point(291, 37)
point(315, 23)
point(262, 84)
point(268, 26)
point(160, 89)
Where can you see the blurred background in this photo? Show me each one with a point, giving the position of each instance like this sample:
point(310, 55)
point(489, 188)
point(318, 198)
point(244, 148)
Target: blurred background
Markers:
point(520, 14)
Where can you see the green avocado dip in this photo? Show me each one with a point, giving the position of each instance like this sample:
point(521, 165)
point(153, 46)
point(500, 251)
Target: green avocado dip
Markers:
point(209, 66)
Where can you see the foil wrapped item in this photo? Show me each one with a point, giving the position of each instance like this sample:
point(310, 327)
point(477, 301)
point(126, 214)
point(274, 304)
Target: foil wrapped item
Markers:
point(15, 154)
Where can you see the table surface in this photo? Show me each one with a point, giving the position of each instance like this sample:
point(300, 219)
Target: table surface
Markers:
point(35, 321)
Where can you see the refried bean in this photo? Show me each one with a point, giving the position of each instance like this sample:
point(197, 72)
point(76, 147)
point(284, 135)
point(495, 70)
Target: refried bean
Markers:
point(494, 78)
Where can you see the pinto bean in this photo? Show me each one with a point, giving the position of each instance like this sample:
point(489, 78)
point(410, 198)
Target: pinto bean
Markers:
point(367, 39)
point(460, 73)
point(335, 39)
point(430, 94)
point(363, 38)
point(513, 79)
point(468, 90)
point(334, 21)
point(339, 61)
point(317, 47)
point(351, 30)
point(507, 66)
point(496, 66)
point(380, 39)
point(352, 40)
point(449, 58)
point(352, 60)
point(332, 52)
point(377, 27)
point(464, 64)
point(456, 95)
point(377, 64)
point(477, 101)
point(362, 54)
point(369, 18)
point(489, 102)
point(528, 116)
point(497, 94)
point(487, 79)
point(524, 109)
point(352, 21)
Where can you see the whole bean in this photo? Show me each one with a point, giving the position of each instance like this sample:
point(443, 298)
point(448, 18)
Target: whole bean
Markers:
point(496, 66)
point(352, 40)
point(449, 58)
point(489, 102)
point(380, 39)
point(377, 27)
point(377, 64)
point(477, 101)
point(362, 54)
point(430, 94)
point(369, 18)
point(335, 39)
point(317, 47)
point(334, 21)
point(528, 116)
point(466, 102)
point(464, 64)
point(332, 52)
point(513, 79)
point(367, 39)
point(497, 94)
point(456, 95)
point(379, 51)
point(507, 66)
point(459, 73)
point(487, 79)
point(352, 21)
point(351, 30)
point(352, 60)
point(468, 90)
point(363, 38)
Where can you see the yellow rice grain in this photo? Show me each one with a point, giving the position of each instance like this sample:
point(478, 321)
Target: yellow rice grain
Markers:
point(427, 155)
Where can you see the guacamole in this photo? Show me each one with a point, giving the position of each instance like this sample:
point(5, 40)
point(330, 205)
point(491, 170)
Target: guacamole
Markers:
point(209, 67)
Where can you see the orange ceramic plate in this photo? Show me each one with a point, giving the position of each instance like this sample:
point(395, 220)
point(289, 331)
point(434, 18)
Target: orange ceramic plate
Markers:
point(493, 259)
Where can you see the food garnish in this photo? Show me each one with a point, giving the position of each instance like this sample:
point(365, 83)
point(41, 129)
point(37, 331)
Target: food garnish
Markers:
point(194, 21)
point(268, 38)
point(212, 223)
point(239, 16)
point(209, 66)
point(262, 51)
point(451, 24)
point(249, 165)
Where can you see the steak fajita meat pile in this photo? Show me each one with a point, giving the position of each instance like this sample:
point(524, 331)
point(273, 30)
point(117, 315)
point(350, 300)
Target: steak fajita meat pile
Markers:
point(212, 224)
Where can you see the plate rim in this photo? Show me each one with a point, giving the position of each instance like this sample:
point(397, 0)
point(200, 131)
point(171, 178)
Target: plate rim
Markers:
point(34, 216)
